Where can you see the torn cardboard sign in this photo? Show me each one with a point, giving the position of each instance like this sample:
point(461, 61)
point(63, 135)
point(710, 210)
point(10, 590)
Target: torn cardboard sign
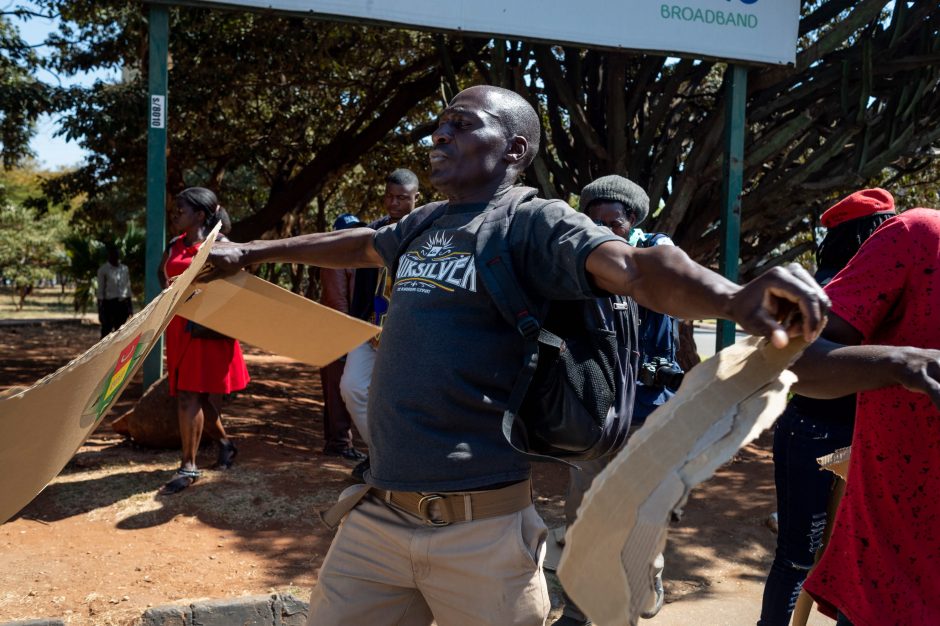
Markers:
point(836, 462)
point(42, 426)
point(274, 319)
point(724, 403)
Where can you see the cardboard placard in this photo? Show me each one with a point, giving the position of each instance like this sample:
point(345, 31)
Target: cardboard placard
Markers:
point(724, 402)
point(836, 462)
point(274, 319)
point(42, 426)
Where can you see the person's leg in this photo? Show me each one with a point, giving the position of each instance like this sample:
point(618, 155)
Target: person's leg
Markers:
point(107, 317)
point(842, 620)
point(367, 576)
point(191, 421)
point(122, 310)
point(212, 423)
point(579, 481)
point(802, 500)
point(189, 412)
point(337, 433)
point(486, 572)
point(354, 386)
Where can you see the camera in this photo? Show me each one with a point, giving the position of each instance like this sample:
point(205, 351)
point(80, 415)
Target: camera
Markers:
point(660, 372)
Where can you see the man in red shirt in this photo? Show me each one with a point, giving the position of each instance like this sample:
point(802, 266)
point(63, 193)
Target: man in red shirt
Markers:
point(882, 565)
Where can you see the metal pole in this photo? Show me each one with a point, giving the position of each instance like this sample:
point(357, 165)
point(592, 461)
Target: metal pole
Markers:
point(159, 29)
point(732, 183)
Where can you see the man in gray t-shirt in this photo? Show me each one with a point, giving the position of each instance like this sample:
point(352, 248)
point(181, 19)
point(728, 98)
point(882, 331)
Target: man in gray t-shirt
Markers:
point(447, 530)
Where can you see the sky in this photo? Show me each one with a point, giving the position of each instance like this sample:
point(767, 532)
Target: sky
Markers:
point(51, 152)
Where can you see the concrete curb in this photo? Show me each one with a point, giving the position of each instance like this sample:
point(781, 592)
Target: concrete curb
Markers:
point(48, 321)
point(268, 610)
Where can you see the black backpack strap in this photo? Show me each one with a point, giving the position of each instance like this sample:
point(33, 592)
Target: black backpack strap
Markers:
point(426, 216)
point(494, 266)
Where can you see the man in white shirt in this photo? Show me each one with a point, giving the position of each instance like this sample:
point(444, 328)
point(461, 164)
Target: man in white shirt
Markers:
point(114, 293)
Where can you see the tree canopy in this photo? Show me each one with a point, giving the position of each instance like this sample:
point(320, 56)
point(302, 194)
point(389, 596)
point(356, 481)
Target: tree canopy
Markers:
point(863, 97)
point(272, 112)
point(290, 119)
point(22, 96)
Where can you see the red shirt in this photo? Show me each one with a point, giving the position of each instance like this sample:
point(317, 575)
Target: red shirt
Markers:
point(882, 565)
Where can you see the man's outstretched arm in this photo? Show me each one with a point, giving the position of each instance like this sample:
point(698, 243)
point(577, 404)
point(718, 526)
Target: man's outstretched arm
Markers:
point(835, 365)
point(346, 248)
point(665, 279)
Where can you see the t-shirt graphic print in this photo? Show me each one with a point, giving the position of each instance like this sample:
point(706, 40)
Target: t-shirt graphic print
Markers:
point(436, 265)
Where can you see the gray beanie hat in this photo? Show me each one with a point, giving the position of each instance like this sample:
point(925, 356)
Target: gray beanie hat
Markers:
point(615, 188)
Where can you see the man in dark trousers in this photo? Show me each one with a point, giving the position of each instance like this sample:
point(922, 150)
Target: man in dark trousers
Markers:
point(336, 288)
point(371, 292)
point(447, 530)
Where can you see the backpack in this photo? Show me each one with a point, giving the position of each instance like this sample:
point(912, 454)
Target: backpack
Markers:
point(573, 396)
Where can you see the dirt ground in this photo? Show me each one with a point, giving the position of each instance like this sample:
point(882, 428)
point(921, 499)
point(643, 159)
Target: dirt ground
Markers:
point(98, 546)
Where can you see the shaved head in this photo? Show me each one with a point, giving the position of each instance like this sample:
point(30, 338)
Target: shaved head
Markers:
point(515, 114)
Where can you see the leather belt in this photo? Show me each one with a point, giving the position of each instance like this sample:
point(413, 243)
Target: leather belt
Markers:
point(440, 509)
point(443, 509)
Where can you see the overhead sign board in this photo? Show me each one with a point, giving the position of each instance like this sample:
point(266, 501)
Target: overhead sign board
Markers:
point(762, 31)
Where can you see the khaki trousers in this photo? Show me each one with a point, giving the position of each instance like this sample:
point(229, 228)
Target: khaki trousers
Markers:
point(386, 567)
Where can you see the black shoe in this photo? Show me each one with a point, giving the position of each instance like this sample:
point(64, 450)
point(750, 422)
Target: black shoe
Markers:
point(227, 454)
point(182, 479)
point(350, 453)
point(567, 620)
point(359, 472)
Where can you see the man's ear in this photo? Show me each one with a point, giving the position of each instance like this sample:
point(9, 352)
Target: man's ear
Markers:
point(517, 150)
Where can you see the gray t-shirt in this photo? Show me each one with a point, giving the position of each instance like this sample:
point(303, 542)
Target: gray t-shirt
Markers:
point(448, 360)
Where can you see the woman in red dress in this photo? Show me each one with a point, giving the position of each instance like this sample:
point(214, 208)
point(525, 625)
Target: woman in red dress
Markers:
point(202, 366)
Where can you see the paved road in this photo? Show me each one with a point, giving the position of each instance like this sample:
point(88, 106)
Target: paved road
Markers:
point(705, 339)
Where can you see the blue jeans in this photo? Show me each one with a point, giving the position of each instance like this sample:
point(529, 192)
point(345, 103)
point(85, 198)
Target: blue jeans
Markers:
point(803, 493)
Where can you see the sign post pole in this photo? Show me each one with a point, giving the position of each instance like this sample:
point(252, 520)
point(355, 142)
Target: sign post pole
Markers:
point(731, 187)
point(159, 28)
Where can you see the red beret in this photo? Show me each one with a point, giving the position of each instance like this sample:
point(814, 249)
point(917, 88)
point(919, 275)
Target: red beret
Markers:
point(860, 204)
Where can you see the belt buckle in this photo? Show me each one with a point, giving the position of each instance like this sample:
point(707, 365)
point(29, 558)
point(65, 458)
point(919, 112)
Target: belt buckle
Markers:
point(424, 509)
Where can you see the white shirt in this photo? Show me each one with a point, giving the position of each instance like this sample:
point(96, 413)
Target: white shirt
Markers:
point(114, 282)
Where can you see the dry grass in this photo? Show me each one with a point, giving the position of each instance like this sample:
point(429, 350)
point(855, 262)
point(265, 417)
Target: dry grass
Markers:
point(42, 303)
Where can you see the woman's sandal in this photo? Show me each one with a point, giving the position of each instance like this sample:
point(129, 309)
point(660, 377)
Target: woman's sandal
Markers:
point(227, 454)
point(181, 480)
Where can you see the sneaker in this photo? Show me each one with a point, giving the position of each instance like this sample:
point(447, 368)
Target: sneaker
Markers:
point(657, 589)
point(359, 472)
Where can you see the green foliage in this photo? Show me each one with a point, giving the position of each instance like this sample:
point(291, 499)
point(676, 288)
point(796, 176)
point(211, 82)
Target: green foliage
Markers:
point(22, 97)
point(86, 254)
point(30, 247)
point(861, 106)
point(271, 112)
point(293, 120)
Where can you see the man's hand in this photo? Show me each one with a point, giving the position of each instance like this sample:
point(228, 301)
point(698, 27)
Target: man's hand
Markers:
point(918, 369)
point(777, 304)
point(225, 258)
point(781, 303)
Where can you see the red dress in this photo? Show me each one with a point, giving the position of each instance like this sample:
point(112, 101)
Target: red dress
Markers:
point(194, 364)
